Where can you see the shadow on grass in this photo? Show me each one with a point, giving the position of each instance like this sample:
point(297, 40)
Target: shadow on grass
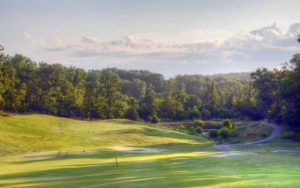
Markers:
point(171, 148)
point(169, 172)
point(180, 165)
point(155, 132)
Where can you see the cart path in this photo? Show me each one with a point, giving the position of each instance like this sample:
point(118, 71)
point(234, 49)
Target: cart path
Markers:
point(275, 133)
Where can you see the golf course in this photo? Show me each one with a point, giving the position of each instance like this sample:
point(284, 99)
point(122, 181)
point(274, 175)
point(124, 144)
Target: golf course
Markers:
point(149, 94)
point(48, 151)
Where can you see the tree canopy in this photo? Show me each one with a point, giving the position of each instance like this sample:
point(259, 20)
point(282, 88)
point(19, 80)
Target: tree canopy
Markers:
point(27, 86)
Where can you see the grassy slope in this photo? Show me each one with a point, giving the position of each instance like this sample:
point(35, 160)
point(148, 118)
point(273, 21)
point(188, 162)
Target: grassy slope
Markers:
point(185, 161)
point(31, 133)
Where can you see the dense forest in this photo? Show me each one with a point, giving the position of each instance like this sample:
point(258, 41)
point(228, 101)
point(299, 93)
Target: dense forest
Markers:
point(26, 86)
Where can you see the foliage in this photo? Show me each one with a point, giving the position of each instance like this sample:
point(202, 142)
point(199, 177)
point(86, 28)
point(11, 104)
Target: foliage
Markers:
point(154, 119)
point(227, 123)
point(224, 133)
point(181, 128)
point(199, 130)
point(279, 93)
point(192, 130)
point(213, 134)
point(198, 123)
point(26, 86)
point(132, 112)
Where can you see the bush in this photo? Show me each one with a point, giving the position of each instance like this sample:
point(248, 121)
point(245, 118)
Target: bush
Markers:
point(181, 128)
point(198, 123)
point(199, 129)
point(227, 124)
point(192, 130)
point(213, 134)
point(224, 133)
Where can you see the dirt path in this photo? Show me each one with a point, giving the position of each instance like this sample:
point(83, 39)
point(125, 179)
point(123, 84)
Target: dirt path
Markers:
point(275, 133)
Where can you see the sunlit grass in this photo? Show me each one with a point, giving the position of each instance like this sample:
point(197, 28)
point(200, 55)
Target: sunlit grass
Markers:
point(87, 157)
point(32, 133)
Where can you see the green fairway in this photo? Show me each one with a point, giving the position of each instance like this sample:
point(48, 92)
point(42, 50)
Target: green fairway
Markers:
point(47, 151)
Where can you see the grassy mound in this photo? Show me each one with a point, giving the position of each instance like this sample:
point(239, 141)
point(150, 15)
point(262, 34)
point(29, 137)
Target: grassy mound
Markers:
point(32, 133)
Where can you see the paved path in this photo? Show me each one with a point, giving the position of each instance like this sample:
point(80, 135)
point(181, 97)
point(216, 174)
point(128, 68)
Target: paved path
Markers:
point(275, 133)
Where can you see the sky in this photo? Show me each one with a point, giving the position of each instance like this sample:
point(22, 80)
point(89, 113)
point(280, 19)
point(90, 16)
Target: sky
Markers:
point(171, 37)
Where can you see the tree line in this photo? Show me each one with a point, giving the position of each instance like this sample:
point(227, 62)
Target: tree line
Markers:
point(26, 86)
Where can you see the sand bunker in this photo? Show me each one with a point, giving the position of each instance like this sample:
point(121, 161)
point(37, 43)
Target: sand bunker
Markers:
point(137, 149)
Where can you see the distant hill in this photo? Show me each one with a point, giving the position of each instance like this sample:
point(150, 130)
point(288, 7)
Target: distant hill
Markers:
point(244, 76)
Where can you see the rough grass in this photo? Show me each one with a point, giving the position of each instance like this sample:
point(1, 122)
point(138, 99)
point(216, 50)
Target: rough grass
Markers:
point(184, 160)
point(248, 133)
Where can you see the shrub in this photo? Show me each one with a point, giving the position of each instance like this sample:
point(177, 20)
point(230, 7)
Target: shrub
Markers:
point(192, 130)
point(181, 128)
point(199, 129)
point(227, 123)
point(198, 123)
point(224, 133)
point(213, 134)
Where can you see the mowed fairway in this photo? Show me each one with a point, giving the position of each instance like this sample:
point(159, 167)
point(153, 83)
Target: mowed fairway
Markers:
point(47, 151)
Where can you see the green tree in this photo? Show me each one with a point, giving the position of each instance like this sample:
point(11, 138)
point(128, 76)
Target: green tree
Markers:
point(149, 106)
point(110, 91)
point(93, 101)
point(132, 112)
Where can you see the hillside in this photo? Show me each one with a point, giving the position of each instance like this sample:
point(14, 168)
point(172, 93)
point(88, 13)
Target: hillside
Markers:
point(33, 133)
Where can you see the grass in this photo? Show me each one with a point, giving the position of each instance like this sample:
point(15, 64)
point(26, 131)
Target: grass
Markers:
point(90, 160)
point(32, 133)
point(248, 133)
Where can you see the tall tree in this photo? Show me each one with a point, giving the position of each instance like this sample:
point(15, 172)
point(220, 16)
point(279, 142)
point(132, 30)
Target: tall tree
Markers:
point(110, 90)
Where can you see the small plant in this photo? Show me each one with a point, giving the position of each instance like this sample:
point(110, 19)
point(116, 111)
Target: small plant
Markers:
point(213, 134)
point(227, 123)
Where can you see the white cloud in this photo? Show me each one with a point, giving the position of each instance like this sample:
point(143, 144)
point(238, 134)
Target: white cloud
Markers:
point(268, 46)
point(295, 29)
point(27, 36)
